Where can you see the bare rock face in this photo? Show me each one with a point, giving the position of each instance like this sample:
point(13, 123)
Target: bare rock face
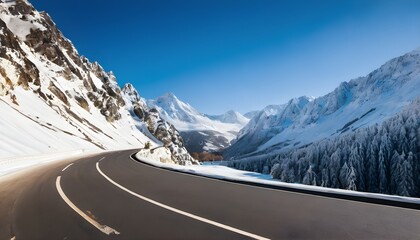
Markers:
point(157, 126)
point(169, 136)
point(21, 8)
point(45, 39)
point(58, 93)
point(110, 110)
point(139, 112)
point(7, 40)
point(82, 102)
point(7, 85)
point(28, 73)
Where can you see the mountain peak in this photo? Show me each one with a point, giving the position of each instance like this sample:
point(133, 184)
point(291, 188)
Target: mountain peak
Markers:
point(169, 95)
point(230, 116)
point(301, 101)
point(232, 112)
point(173, 108)
point(129, 89)
point(251, 114)
point(168, 98)
point(128, 86)
point(201, 132)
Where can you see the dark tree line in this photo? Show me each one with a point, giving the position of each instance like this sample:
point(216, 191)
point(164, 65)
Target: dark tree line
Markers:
point(383, 158)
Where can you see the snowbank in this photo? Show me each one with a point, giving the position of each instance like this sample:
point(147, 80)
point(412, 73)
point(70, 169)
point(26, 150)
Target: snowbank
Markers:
point(14, 164)
point(159, 154)
point(226, 173)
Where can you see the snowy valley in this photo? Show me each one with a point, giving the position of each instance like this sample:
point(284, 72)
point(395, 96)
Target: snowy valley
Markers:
point(201, 132)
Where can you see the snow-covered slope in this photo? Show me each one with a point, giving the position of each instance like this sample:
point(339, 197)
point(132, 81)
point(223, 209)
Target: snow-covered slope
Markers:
point(200, 132)
point(382, 158)
point(355, 104)
point(52, 99)
point(251, 114)
point(230, 117)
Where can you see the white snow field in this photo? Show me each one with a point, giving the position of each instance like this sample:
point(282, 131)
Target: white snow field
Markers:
point(14, 164)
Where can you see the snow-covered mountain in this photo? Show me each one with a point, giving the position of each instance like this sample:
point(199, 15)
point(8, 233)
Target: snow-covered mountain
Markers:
point(356, 104)
point(230, 117)
point(52, 99)
point(201, 132)
point(382, 158)
point(363, 136)
point(251, 114)
point(175, 110)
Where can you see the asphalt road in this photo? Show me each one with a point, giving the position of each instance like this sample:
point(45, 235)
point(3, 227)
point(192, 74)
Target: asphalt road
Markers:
point(130, 200)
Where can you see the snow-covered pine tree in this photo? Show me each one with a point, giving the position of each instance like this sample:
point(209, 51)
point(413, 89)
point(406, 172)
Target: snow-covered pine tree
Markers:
point(383, 158)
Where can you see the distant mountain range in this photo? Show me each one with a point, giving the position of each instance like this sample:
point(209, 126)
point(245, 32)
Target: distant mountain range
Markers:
point(353, 105)
point(364, 136)
point(200, 132)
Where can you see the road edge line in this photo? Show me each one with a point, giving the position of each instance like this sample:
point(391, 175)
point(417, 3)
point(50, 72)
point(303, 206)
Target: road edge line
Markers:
point(103, 228)
point(64, 169)
point(331, 195)
point(190, 215)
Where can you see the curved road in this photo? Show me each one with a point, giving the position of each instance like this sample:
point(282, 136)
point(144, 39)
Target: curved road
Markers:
point(111, 196)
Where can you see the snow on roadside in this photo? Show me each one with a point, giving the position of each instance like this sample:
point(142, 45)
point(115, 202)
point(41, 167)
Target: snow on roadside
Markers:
point(159, 154)
point(15, 164)
point(226, 173)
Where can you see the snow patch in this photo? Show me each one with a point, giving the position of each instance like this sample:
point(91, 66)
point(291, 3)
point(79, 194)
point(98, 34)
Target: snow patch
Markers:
point(14, 164)
point(159, 154)
point(21, 28)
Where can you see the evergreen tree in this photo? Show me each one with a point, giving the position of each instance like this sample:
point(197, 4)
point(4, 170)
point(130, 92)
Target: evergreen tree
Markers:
point(310, 177)
point(382, 158)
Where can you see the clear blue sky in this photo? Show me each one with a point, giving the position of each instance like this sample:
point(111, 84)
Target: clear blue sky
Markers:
point(237, 54)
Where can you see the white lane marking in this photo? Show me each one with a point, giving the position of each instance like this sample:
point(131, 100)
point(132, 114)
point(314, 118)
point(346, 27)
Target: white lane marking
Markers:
point(101, 159)
point(64, 169)
point(251, 235)
point(104, 228)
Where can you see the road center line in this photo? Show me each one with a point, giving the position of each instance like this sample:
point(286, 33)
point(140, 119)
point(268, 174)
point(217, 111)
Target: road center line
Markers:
point(251, 235)
point(103, 228)
point(64, 169)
